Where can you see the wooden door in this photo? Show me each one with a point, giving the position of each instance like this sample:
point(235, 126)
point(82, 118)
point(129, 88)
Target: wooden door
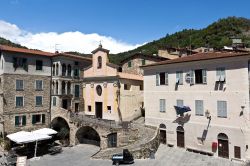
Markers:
point(180, 139)
point(98, 110)
point(223, 149)
point(163, 139)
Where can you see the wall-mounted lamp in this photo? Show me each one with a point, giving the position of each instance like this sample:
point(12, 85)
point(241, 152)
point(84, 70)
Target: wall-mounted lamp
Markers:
point(207, 115)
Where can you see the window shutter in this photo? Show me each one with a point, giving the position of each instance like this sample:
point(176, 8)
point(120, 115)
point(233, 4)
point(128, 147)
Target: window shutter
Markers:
point(191, 77)
point(204, 76)
point(222, 109)
point(162, 105)
point(166, 78)
point(181, 78)
point(33, 119)
point(180, 103)
point(157, 79)
point(199, 110)
point(24, 120)
point(16, 120)
point(223, 74)
point(43, 118)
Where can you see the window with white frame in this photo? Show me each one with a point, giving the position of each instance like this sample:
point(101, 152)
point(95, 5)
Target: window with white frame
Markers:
point(220, 75)
point(39, 85)
point(54, 101)
point(199, 109)
point(161, 78)
point(19, 101)
point(20, 120)
point(38, 119)
point(179, 77)
point(19, 85)
point(39, 101)
point(222, 109)
point(162, 105)
point(180, 103)
point(200, 76)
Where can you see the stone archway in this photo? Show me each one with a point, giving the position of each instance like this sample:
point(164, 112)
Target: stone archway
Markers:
point(62, 127)
point(87, 135)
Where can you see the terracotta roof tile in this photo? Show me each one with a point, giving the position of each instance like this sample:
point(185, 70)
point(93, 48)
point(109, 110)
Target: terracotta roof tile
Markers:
point(73, 56)
point(198, 57)
point(24, 50)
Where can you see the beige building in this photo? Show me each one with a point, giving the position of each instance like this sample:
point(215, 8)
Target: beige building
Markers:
point(133, 63)
point(25, 89)
point(201, 103)
point(108, 93)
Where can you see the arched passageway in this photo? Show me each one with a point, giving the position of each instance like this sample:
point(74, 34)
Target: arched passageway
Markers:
point(61, 126)
point(87, 135)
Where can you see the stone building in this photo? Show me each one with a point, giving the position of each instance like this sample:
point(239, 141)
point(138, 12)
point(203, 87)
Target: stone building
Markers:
point(67, 76)
point(201, 103)
point(108, 93)
point(133, 63)
point(25, 77)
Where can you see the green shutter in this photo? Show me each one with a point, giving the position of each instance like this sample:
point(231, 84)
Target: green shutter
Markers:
point(43, 118)
point(33, 119)
point(16, 120)
point(24, 120)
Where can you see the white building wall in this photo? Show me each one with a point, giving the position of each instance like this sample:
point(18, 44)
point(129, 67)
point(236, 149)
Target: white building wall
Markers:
point(236, 93)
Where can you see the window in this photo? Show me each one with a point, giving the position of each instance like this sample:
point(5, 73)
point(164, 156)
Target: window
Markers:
point(200, 76)
point(39, 100)
point(180, 103)
point(129, 64)
point(99, 63)
point(76, 63)
point(162, 105)
point(38, 119)
point(222, 109)
point(127, 87)
point(20, 63)
point(141, 87)
point(19, 85)
point(161, 79)
point(69, 70)
point(143, 62)
point(19, 101)
point(179, 77)
point(76, 72)
point(77, 91)
point(109, 108)
point(20, 120)
point(89, 108)
point(39, 65)
point(76, 107)
point(199, 110)
point(39, 84)
point(54, 101)
point(220, 75)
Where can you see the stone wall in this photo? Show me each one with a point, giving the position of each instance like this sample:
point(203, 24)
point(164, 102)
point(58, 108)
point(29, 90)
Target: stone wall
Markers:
point(29, 93)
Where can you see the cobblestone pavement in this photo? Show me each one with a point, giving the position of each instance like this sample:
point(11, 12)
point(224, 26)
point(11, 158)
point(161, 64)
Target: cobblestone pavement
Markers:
point(165, 156)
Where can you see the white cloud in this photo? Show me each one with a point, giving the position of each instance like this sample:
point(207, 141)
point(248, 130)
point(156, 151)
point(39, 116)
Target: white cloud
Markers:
point(67, 41)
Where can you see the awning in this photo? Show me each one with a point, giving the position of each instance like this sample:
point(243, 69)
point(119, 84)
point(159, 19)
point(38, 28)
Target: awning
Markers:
point(46, 131)
point(181, 110)
point(22, 137)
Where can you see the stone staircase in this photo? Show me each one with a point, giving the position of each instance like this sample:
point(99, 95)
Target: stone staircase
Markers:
point(143, 145)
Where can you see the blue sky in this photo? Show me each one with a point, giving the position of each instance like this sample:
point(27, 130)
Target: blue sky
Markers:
point(129, 21)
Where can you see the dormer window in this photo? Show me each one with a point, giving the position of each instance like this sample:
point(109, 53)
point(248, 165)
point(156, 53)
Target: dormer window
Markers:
point(99, 63)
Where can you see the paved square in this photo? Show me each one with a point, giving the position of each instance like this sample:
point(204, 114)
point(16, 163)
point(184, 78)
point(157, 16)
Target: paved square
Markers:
point(165, 156)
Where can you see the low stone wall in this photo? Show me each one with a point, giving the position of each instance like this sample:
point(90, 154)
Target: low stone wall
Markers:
point(147, 150)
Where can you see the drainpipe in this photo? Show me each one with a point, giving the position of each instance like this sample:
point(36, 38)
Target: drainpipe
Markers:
point(50, 92)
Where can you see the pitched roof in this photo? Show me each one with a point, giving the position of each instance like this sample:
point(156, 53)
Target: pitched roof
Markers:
point(100, 49)
point(157, 58)
point(24, 50)
point(73, 56)
point(199, 57)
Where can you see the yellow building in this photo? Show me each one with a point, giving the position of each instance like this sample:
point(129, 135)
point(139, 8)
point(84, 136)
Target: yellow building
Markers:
point(108, 93)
